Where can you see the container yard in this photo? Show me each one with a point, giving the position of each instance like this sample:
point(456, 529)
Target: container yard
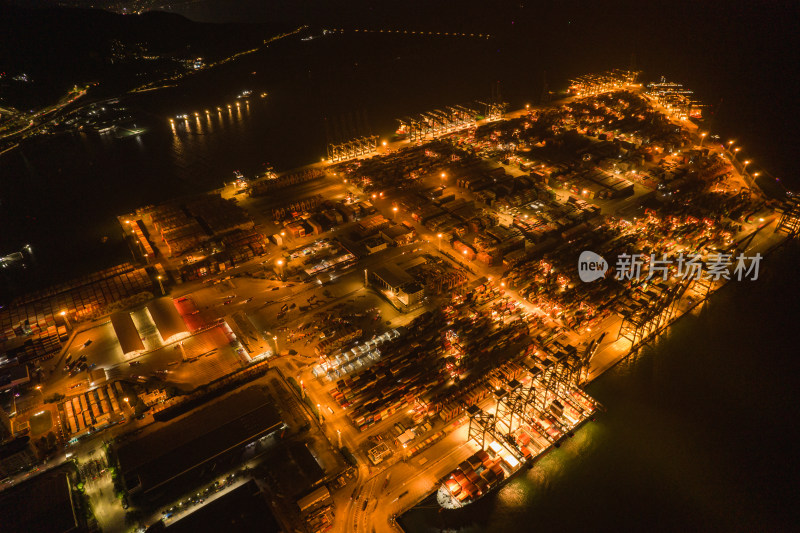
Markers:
point(35, 325)
point(91, 411)
point(507, 206)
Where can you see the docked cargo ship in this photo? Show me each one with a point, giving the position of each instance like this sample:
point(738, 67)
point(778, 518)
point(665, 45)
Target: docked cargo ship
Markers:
point(479, 475)
point(537, 431)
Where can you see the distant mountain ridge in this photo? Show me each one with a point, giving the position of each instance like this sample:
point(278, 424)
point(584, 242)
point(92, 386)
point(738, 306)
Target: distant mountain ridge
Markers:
point(59, 47)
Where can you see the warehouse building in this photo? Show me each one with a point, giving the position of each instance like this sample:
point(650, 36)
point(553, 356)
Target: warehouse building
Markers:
point(242, 509)
point(391, 277)
point(208, 439)
point(167, 319)
point(43, 504)
point(127, 334)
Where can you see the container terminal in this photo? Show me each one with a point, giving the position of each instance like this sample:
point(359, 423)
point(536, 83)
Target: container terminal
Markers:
point(412, 310)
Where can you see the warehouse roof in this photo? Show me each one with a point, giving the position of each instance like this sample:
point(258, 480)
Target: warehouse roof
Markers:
point(42, 504)
point(189, 442)
point(392, 275)
point(167, 319)
point(242, 509)
point(127, 334)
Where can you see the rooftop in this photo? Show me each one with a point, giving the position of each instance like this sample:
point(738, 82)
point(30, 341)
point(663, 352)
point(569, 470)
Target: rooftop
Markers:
point(199, 437)
point(42, 504)
point(242, 509)
point(392, 275)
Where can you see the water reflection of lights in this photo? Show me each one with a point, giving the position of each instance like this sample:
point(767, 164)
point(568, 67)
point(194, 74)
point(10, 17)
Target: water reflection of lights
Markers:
point(512, 494)
point(208, 116)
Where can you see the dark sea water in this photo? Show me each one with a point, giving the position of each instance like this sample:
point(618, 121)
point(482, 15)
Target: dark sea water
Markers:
point(700, 430)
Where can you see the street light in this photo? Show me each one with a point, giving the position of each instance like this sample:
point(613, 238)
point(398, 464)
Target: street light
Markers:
point(443, 175)
point(319, 412)
point(395, 212)
point(702, 138)
point(66, 319)
point(160, 284)
point(439, 235)
point(275, 340)
point(279, 262)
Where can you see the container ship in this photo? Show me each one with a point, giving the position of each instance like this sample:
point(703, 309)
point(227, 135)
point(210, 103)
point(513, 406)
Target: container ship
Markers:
point(538, 431)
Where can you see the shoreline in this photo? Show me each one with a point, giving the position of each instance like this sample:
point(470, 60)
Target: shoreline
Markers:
point(764, 251)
